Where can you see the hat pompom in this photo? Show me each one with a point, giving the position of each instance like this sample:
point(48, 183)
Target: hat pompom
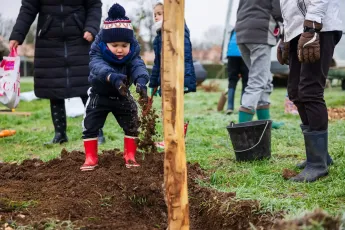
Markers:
point(117, 11)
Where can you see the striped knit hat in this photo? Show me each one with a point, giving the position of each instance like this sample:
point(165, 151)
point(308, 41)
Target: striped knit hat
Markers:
point(117, 27)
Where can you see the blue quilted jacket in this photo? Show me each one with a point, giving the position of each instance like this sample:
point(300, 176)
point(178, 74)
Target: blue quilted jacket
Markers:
point(189, 75)
point(134, 68)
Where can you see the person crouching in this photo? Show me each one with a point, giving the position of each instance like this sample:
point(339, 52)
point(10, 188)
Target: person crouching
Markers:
point(114, 65)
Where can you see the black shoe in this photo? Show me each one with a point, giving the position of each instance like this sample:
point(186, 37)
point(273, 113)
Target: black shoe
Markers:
point(316, 144)
point(101, 138)
point(59, 138)
point(304, 163)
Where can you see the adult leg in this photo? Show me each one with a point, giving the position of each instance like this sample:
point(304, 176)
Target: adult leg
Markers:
point(294, 79)
point(258, 63)
point(244, 76)
point(268, 88)
point(58, 114)
point(311, 92)
point(313, 81)
point(233, 71)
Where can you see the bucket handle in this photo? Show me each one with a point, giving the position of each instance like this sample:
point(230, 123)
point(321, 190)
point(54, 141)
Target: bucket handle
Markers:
point(263, 132)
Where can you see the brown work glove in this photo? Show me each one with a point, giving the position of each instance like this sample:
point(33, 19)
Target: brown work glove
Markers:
point(283, 49)
point(309, 42)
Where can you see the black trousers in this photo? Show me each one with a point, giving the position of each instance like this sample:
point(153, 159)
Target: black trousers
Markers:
point(306, 82)
point(124, 110)
point(237, 66)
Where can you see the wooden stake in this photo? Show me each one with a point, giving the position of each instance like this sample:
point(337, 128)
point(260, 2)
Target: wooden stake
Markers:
point(175, 170)
point(14, 113)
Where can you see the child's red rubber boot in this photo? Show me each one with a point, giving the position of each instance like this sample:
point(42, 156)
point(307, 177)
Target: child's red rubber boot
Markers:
point(91, 156)
point(130, 149)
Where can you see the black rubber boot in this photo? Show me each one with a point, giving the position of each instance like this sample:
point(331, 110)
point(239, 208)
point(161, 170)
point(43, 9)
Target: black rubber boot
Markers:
point(101, 138)
point(58, 113)
point(316, 144)
point(304, 163)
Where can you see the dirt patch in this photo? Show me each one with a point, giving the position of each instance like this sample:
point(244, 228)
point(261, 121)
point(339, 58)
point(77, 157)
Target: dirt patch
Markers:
point(288, 173)
point(336, 114)
point(316, 220)
point(212, 86)
point(148, 119)
point(113, 197)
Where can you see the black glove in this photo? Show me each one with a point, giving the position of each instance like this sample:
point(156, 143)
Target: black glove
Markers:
point(142, 89)
point(309, 42)
point(119, 82)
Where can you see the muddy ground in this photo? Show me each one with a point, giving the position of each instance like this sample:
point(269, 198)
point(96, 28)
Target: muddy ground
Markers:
point(113, 197)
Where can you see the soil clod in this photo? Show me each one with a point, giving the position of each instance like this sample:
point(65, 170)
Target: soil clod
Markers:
point(288, 173)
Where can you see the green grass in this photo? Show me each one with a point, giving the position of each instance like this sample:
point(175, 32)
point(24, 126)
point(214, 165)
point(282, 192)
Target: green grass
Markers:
point(208, 144)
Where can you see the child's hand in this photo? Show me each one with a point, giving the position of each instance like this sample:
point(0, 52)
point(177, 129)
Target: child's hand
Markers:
point(88, 36)
point(118, 81)
point(142, 90)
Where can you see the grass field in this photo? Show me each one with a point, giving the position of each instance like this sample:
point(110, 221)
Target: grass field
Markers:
point(208, 144)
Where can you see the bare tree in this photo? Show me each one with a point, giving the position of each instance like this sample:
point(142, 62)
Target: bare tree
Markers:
point(142, 21)
point(6, 26)
point(212, 36)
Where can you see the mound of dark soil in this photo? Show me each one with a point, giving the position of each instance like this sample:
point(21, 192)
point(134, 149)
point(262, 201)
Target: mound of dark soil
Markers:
point(315, 220)
point(113, 197)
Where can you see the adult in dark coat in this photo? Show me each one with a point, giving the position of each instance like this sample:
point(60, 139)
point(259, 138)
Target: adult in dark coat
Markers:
point(65, 30)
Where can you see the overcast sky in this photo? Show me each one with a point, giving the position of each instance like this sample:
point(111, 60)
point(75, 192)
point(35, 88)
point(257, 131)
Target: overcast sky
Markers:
point(200, 14)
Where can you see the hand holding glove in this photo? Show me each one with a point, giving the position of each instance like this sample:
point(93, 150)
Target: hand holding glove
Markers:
point(119, 82)
point(309, 42)
point(283, 50)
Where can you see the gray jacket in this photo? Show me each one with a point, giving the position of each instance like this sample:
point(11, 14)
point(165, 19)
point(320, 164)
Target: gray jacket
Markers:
point(256, 21)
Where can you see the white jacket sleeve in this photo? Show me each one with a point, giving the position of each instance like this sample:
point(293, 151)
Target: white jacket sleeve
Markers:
point(316, 11)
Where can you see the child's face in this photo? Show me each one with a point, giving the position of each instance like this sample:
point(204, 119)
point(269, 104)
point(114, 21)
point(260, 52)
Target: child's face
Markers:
point(158, 13)
point(120, 49)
